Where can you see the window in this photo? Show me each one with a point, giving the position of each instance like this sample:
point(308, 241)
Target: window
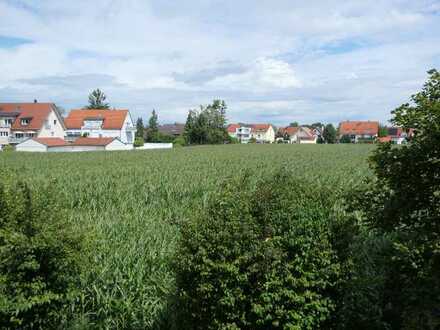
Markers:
point(4, 134)
point(19, 135)
point(8, 122)
point(54, 121)
point(25, 121)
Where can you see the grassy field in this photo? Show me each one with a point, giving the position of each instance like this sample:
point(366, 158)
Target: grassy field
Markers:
point(132, 203)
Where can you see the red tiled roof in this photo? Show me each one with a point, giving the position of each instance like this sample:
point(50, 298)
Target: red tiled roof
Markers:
point(87, 141)
point(359, 128)
point(36, 112)
point(232, 128)
point(51, 142)
point(112, 119)
point(260, 127)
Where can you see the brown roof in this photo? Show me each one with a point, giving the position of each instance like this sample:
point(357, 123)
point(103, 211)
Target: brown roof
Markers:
point(260, 127)
point(172, 129)
point(112, 119)
point(233, 127)
point(37, 113)
point(384, 139)
point(359, 128)
point(87, 141)
point(51, 142)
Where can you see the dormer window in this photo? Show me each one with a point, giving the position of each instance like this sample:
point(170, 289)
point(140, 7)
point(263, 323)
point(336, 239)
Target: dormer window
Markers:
point(25, 121)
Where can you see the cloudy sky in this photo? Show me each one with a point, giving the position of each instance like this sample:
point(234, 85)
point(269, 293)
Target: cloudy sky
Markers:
point(272, 61)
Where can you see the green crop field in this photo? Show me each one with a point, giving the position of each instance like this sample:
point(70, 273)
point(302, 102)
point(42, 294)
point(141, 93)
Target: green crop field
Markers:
point(131, 204)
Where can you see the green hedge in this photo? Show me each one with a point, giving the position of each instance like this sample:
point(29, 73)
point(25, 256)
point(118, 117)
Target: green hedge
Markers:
point(258, 257)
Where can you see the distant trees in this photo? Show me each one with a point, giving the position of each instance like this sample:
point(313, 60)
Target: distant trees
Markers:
point(294, 124)
point(401, 212)
point(383, 131)
point(329, 134)
point(207, 125)
point(153, 127)
point(140, 128)
point(97, 100)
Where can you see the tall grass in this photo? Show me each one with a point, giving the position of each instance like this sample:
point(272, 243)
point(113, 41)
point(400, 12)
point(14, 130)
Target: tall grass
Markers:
point(133, 202)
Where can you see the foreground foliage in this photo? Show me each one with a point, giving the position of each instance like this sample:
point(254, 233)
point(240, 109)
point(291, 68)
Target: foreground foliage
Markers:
point(259, 258)
point(39, 258)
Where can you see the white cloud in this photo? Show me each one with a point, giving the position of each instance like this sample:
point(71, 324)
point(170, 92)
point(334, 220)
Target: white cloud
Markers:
point(265, 58)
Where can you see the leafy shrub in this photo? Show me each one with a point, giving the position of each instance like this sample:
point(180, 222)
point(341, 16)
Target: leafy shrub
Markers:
point(258, 257)
point(179, 141)
point(138, 142)
point(7, 148)
point(345, 139)
point(39, 258)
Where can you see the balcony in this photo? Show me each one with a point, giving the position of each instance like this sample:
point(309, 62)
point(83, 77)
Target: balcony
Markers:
point(16, 140)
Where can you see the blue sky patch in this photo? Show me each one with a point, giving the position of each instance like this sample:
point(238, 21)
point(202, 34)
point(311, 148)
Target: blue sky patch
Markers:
point(11, 42)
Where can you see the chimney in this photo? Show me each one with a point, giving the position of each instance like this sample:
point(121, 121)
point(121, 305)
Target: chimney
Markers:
point(35, 101)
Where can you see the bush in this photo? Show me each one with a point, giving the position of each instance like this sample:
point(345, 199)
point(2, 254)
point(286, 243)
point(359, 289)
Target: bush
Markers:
point(345, 139)
point(39, 259)
point(179, 141)
point(258, 258)
point(7, 148)
point(138, 142)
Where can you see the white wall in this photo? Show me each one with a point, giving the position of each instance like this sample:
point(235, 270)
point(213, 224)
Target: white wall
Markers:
point(148, 146)
point(118, 145)
point(75, 148)
point(52, 130)
point(31, 146)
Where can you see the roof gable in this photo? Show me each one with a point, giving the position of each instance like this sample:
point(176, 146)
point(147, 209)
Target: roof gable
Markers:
point(37, 114)
point(359, 128)
point(112, 119)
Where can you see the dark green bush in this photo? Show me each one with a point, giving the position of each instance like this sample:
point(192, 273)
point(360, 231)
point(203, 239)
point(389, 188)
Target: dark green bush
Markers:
point(39, 258)
point(138, 142)
point(258, 257)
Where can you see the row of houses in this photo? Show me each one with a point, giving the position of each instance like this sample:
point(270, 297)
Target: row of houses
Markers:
point(40, 127)
point(353, 131)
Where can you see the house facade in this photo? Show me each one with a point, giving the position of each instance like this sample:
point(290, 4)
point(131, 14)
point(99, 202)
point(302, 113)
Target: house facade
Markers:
point(21, 121)
point(358, 131)
point(100, 124)
point(300, 134)
point(262, 133)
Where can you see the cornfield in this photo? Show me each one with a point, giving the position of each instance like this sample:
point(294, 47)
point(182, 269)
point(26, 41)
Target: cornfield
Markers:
point(131, 204)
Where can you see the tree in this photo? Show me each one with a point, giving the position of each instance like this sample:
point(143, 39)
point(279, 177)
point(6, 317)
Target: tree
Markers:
point(140, 128)
point(345, 139)
point(208, 125)
point(97, 100)
point(294, 124)
point(402, 207)
point(383, 131)
point(153, 130)
point(329, 134)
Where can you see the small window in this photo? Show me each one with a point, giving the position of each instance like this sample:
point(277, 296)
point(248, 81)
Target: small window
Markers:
point(54, 121)
point(25, 122)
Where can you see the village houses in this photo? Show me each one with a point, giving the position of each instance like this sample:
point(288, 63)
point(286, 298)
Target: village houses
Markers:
point(358, 131)
point(261, 133)
point(21, 121)
point(298, 134)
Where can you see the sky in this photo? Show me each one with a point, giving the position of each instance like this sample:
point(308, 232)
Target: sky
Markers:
point(274, 61)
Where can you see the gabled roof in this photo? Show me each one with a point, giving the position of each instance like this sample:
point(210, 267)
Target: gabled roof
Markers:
point(51, 142)
point(359, 128)
point(36, 112)
point(172, 129)
point(112, 119)
point(88, 141)
point(233, 127)
point(260, 127)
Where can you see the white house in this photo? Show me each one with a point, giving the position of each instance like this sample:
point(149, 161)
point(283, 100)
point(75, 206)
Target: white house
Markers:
point(80, 144)
point(300, 134)
point(262, 133)
point(21, 121)
point(100, 123)
point(359, 130)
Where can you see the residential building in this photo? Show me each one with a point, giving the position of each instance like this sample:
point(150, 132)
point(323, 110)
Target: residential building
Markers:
point(299, 134)
point(100, 124)
point(21, 121)
point(359, 131)
point(262, 133)
point(396, 135)
point(79, 144)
